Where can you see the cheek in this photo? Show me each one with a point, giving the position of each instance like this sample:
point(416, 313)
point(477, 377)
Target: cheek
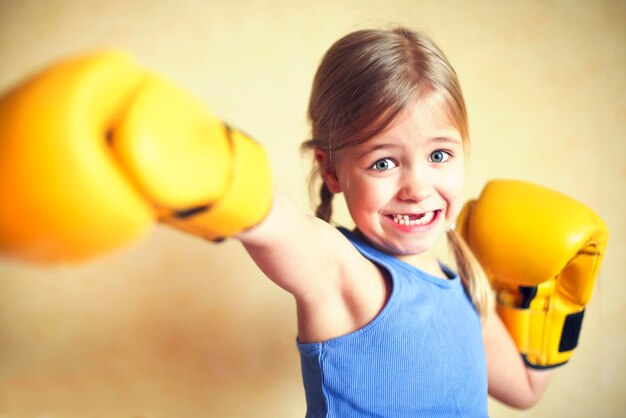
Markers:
point(455, 207)
point(364, 198)
point(455, 186)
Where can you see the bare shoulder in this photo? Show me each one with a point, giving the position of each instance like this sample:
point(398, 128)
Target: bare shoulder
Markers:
point(337, 290)
point(345, 303)
point(300, 253)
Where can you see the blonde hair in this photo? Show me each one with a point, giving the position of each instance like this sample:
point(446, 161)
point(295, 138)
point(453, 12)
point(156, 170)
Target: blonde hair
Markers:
point(363, 82)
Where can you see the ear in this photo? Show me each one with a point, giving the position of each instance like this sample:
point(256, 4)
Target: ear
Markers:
point(327, 170)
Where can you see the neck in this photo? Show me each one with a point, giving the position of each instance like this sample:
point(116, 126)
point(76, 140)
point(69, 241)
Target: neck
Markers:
point(426, 262)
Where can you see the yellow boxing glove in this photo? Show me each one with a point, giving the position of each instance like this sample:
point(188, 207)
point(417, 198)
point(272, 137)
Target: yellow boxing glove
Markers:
point(94, 150)
point(541, 251)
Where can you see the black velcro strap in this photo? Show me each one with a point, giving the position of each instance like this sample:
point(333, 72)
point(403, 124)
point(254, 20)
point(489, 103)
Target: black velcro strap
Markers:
point(528, 293)
point(538, 367)
point(571, 331)
point(187, 213)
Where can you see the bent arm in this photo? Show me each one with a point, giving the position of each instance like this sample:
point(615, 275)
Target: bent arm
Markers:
point(510, 381)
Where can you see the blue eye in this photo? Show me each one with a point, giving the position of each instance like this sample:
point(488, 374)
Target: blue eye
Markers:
point(383, 164)
point(439, 156)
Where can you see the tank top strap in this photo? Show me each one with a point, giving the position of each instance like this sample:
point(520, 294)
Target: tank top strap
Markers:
point(394, 265)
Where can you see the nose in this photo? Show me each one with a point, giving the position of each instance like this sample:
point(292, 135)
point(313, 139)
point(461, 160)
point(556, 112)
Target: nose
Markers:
point(415, 185)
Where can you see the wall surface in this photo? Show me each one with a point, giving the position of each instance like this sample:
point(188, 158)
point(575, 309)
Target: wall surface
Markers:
point(172, 326)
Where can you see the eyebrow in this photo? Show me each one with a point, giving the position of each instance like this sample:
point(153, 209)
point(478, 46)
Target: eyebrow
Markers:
point(376, 147)
point(448, 139)
point(393, 145)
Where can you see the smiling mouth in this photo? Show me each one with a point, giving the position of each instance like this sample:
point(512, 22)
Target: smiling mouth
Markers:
point(414, 220)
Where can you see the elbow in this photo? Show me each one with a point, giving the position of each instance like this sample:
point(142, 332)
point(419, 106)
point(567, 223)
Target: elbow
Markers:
point(520, 399)
point(523, 405)
point(537, 383)
point(523, 392)
point(524, 402)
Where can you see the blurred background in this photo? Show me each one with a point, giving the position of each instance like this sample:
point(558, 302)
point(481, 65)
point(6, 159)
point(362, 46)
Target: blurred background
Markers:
point(172, 326)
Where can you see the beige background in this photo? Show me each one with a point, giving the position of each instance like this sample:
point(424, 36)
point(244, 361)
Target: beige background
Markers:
point(174, 327)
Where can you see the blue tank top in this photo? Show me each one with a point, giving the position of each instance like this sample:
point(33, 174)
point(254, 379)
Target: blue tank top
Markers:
point(422, 356)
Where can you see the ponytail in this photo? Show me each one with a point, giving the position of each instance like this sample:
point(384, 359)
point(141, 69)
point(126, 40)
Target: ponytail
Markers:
point(472, 275)
point(325, 209)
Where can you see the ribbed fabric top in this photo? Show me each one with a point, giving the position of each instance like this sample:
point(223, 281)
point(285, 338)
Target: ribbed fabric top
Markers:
point(422, 356)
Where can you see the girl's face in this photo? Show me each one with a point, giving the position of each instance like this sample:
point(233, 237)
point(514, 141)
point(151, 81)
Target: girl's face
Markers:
point(404, 186)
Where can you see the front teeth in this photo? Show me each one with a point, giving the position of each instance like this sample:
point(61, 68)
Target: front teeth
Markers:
point(406, 220)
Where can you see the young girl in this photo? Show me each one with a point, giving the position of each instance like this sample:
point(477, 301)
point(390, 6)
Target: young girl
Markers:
point(384, 329)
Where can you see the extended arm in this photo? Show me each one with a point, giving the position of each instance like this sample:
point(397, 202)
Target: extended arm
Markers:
point(94, 149)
